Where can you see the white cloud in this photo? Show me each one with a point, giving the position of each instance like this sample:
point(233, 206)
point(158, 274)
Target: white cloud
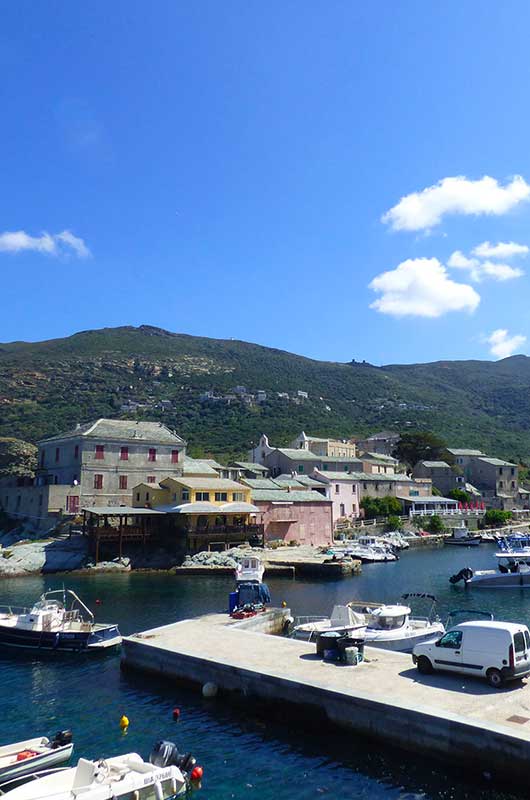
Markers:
point(500, 250)
point(502, 344)
point(52, 244)
point(421, 287)
point(479, 270)
point(455, 195)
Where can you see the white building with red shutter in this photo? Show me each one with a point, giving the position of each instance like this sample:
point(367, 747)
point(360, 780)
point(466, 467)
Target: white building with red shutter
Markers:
point(96, 464)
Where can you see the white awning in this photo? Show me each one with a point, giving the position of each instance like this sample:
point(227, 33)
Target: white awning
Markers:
point(238, 508)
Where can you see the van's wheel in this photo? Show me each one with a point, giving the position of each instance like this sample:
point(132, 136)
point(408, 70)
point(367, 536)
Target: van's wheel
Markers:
point(494, 678)
point(424, 665)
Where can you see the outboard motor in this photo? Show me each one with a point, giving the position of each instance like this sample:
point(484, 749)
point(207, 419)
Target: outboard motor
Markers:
point(165, 754)
point(465, 574)
point(61, 739)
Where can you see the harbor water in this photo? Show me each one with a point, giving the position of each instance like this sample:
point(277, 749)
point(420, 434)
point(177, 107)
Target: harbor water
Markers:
point(244, 756)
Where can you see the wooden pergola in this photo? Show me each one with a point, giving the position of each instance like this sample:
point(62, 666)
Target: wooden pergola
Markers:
point(133, 525)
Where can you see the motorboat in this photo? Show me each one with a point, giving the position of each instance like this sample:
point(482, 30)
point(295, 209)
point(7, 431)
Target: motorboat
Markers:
point(462, 537)
point(167, 774)
point(249, 568)
point(395, 539)
point(59, 621)
point(367, 549)
point(513, 572)
point(23, 758)
point(390, 627)
point(248, 599)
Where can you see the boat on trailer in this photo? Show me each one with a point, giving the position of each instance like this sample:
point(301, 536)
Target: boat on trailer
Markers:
point(58, 621)
point(20, 759)
point(167, 774)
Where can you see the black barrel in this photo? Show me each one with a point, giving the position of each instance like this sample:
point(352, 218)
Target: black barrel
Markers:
point(350, 641)
point(328, 641)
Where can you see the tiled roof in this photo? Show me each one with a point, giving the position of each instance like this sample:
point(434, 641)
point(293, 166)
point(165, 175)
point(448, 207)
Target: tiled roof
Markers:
point(283, 496)
point(259, 483)
point(192, 466)
point(380, 457)
point(305, 480)
point(458, 451)
point(365, 476)
point(215, 484)
point(121, 430)
point(340, 460)
point(435, 464)
point(298, 455)
point(497, 462)
point(250, 465)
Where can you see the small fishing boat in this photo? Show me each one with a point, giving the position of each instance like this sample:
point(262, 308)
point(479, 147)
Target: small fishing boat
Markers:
point(59, 621)
point(463, 538)
point(167, 774)
point(249, 569)
point(23, 758)
point(367, 549)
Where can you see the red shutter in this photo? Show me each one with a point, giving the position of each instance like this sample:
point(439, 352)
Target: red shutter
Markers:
point(174, 456)
point(98, 481)
point(123, 481)
point(152, 454)
point(151, 479)
point(124, 454)
point(100, 452)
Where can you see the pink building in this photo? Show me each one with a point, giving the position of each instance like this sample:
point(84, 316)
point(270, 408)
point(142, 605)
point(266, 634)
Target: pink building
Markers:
point(301, 516)
point(342, 489)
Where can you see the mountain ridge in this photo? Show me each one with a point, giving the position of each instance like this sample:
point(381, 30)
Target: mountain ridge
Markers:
point(48, 386)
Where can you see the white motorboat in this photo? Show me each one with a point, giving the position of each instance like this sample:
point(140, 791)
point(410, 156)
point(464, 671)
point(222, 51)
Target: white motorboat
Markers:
point(390, 627)
point(370, 550)
point(513, 572)
point(23, 758)
point(127, 776)
point(395, 539)
point(59, 621)
point(250, 570)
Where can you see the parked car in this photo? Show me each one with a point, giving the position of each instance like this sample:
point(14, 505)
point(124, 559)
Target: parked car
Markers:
point(497, 651)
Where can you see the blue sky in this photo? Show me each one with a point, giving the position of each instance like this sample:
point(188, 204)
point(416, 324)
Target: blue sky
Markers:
point(223, 168)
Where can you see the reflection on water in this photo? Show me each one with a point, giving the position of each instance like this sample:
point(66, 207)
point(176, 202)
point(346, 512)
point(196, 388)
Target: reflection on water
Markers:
point(244, 756)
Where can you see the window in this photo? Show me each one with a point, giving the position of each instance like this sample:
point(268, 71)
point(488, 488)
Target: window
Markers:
point(100, 452)
point(124, 453)
point(365, 486)
point(205, 496)
point(221, 497)
point(337, 488)
point(147, 497)
point(238, 497)
point(342, 510)
point(40, 499)
point(174, 456)
point(300, 468)
point(346, 468)
point(452, 640)
point(414, 493)
point(137, 497)
point(325, 467)
point(98, 481)
point(185, 495)
point(513, 470)
point(123, 481)
point(353, 488)
point(519, 642)
point(57, 454)
point(152, 454)
point(151, 479)
point(42, 456)
point(501, 484)
point(500, 470)
point(76, 451)
point(513, 484)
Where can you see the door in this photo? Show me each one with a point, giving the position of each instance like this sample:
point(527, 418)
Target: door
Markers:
point(72, 504)
point(448, 651)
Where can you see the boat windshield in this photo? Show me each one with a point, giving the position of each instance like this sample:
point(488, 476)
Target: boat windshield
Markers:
point(382, 623)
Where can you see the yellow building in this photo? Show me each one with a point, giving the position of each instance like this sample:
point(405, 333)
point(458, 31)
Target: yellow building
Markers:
point(202, 506)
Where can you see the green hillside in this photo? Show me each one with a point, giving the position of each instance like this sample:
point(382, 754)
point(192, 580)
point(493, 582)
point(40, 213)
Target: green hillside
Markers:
point(46, 387)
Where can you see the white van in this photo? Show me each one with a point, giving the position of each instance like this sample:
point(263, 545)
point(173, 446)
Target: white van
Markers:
point(497, 651)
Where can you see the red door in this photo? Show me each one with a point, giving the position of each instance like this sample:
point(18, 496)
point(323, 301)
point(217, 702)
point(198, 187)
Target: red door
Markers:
point(72, 504)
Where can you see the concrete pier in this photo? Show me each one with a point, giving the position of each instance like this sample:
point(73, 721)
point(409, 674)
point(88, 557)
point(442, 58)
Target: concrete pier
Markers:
point(448, 716)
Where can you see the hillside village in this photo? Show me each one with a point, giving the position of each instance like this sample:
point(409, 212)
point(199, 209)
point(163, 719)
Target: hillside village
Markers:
point(131, 481)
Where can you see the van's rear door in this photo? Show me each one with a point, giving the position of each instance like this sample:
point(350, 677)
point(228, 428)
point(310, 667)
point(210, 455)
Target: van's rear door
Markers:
point(521, 643)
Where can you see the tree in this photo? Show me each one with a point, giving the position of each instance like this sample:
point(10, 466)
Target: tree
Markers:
point(460, 495)
point(18, 459)
point(420, 446)
point(494, 518)
point(393, 523)
point(380, 507)
point(435, 524)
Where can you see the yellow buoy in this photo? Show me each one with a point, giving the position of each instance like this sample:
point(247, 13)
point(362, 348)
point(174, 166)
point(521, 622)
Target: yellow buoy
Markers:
point(124, 722)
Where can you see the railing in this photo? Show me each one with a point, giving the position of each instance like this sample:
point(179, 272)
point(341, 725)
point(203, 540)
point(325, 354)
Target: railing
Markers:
point(14, 610)
point(450, 512)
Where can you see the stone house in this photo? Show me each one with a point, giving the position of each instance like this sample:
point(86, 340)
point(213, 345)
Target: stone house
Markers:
point(442, 475)
point(292, 515)
point(383, 443)
point(343, 491)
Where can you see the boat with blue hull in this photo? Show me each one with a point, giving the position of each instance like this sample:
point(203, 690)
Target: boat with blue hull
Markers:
point(58, 622)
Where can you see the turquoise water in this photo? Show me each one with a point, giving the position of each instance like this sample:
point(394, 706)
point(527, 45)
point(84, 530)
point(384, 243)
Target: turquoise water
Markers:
point(244, 757)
